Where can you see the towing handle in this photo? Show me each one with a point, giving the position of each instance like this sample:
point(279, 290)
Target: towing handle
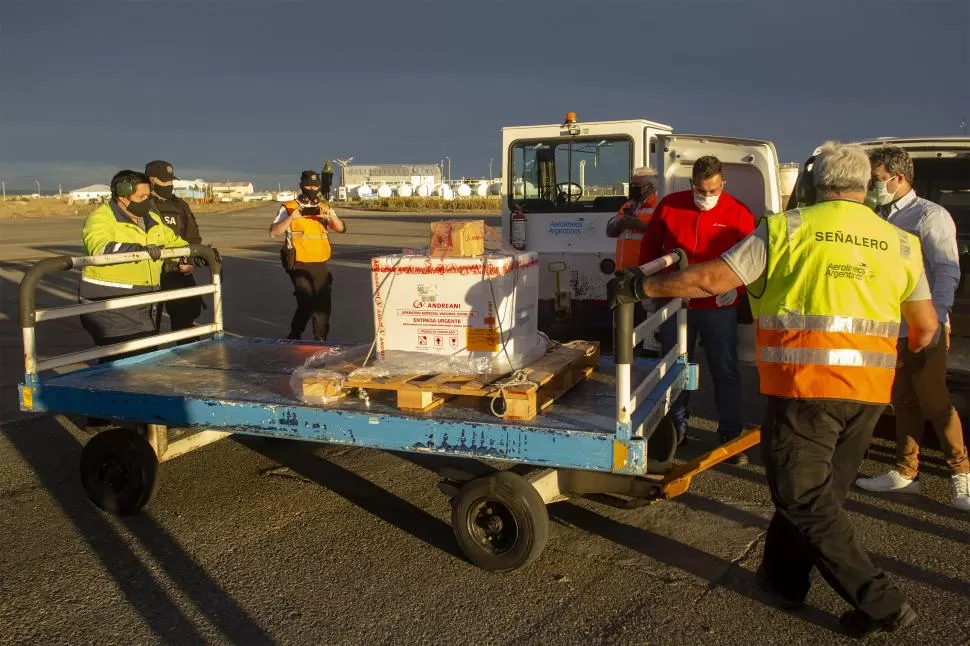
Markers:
point(30, 315)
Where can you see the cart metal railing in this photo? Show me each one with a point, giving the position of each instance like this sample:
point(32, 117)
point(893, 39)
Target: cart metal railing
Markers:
point(630, 398)
point(30, 315)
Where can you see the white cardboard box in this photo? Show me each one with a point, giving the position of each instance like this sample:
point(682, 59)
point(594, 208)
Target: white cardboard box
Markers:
point(457, 307)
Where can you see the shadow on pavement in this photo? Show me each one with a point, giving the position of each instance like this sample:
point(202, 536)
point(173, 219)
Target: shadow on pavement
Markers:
point(895, 566)
point(361, 492)
point(47, 450)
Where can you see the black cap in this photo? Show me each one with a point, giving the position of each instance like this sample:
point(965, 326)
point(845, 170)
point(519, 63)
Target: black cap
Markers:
point(160, 170)
point(310, 178)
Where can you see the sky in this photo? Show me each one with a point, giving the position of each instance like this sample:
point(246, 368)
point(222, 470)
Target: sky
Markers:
point(261, 89)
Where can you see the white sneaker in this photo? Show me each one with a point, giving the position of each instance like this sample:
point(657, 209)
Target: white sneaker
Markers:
point(961, 491)
point(889, 481)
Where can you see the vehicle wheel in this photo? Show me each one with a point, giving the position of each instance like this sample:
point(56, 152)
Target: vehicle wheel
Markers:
point(662, 445)
point(500, 521)
point(119, 471)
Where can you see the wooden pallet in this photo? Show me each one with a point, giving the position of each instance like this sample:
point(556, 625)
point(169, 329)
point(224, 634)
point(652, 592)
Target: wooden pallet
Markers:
point(561, 368)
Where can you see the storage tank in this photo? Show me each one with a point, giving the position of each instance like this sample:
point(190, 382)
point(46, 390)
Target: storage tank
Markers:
point(482, 189)
point(495, 188)
point(405, 190)
point(384, 191)
point(464, 190)
point(364, 190)
point(788, 177)
point(422, 190)
point(444, 192)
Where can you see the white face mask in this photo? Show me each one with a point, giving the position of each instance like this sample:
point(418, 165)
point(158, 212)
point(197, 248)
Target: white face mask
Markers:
point(705, 202)
point(880, 194)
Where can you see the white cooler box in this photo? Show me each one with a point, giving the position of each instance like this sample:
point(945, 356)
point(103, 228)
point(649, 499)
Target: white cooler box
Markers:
point(459, 308)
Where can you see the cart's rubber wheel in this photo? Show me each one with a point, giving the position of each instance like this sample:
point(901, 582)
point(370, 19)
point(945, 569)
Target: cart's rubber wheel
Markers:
point(500, 521)
point(119, 471)
point(662, 445)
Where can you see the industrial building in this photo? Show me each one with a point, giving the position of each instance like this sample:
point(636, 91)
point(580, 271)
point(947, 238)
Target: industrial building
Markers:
point(391, 174)
point(93, 193)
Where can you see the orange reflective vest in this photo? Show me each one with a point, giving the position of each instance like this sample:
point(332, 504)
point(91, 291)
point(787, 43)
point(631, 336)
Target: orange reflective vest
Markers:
point(829, 306)
point(308, 235)
point(629, 240)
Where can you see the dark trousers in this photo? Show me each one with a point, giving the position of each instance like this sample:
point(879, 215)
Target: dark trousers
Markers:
point(311, 286)
point(812, 450)
point(718, 329)
point(182, 312)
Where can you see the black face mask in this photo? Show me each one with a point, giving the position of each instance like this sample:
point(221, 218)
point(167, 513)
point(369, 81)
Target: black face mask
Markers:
point(140, 209)
point(310, 193)
point(163, 192)
point(635, 192)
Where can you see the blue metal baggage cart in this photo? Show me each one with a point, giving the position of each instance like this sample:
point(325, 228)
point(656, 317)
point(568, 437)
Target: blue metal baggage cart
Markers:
point(608, 436)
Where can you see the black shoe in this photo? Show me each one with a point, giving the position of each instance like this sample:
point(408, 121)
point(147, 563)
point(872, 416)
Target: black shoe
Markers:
point(785, 603)
point(739, 459)
point(858, 624)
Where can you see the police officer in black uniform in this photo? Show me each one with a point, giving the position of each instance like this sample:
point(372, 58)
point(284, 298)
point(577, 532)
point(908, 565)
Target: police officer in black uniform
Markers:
point(177, 214)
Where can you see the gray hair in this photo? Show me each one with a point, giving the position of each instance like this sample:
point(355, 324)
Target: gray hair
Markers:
point(894, 159)
point(647, 175)
point(841, 168)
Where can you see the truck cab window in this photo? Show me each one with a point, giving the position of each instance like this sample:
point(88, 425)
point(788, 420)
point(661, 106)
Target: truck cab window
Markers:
point(570, 173)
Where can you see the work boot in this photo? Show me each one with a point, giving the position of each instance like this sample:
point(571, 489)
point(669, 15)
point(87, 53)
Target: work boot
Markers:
point(961, 491)
point(858, 624)
point(783, 602)
point(891, 481)
point(739, 459)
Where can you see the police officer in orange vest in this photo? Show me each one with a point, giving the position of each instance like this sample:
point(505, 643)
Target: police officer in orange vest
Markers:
point(829, 284)
point(630, 222)
point(306, 222)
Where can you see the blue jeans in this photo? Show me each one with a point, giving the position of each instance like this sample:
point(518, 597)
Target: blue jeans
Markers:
point(718, 329)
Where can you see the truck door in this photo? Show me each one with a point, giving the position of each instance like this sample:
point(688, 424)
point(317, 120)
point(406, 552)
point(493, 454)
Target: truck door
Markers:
point(750, 168)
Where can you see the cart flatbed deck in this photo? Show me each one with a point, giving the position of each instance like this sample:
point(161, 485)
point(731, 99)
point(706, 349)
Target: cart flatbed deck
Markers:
point(242, 385)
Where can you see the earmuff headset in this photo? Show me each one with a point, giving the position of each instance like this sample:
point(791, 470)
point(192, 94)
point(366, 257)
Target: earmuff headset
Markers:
point(124, 183)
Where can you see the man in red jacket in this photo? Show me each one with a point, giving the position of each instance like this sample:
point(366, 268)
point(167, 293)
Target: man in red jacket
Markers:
point(704, 222)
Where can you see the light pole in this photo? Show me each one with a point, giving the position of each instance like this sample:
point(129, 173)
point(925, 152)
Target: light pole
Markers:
point(4, 184)
point(449, 168)
point(344, 163)
point(490, 169)
point(38, 187)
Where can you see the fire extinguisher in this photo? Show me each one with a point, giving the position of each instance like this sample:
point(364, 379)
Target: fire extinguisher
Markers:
point(517, 229)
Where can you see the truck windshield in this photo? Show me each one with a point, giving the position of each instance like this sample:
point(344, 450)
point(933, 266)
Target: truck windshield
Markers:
point(570, 173)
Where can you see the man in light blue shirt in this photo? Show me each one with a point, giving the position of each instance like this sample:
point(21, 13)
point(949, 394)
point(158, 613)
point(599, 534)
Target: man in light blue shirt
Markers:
point(920, 391)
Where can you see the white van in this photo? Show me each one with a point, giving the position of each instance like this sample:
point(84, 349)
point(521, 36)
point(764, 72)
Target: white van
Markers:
point(569, 179)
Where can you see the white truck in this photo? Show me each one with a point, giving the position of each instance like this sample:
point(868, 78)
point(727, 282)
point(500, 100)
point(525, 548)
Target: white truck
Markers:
point(563, 182)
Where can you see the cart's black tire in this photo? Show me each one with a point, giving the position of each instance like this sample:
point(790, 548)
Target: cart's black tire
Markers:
point(662, 445)
point(500, 521)
point(119, 471)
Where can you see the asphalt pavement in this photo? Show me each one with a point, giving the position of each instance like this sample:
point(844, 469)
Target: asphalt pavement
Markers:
point(266, 541)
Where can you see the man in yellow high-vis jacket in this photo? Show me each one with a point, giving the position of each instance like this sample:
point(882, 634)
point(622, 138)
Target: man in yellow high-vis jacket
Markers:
point(828, 285)
point(128, 222)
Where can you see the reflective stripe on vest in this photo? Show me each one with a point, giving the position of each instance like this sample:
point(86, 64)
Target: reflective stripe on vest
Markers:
point(629, 241)
point(828, 320)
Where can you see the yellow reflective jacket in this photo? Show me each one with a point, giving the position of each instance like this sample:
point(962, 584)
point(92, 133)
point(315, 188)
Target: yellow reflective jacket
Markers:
point(828, 308)
point(109, 230)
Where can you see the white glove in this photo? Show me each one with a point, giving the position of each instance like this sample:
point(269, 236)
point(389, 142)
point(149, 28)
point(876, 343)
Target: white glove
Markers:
point(727, 298)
